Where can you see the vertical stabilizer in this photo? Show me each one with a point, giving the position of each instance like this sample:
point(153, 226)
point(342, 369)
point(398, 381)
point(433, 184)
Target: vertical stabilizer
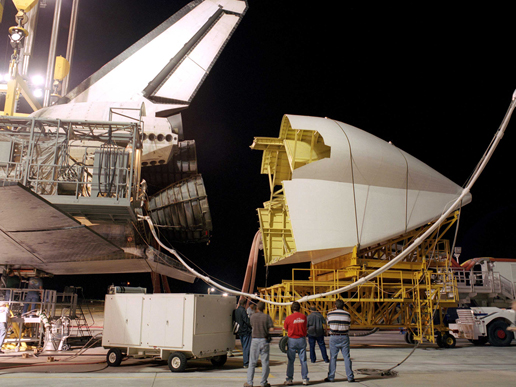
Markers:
point(169, 64)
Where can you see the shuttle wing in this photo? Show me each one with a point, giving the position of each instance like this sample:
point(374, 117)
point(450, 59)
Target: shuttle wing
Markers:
point(33, 230)
point(36, 233)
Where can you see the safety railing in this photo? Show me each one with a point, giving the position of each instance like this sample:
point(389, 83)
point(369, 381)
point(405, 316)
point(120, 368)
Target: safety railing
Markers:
point(486, 282)
point(389, 300)
point(29, 303)
point(508, 288)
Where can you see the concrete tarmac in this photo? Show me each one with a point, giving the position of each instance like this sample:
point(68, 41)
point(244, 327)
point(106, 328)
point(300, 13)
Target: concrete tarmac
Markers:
point(465, 365)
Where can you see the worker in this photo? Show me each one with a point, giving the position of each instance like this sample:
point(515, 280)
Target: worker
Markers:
point(261, 337)
point(339, 321)
point(4, 310)
point(244, 331)
point(513, 329)
point(11, 281)
point(251, 309)
point(315, 330)
point(295, 325)
point(33, 296)
point(3, 276)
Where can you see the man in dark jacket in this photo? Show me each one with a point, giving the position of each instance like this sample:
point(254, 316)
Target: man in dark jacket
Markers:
point(244, 332)
point(315, 332)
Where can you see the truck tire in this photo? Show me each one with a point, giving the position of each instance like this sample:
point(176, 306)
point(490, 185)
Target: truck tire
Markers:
point(448, 340)
point(114, 357)
point(283, 344)
point(219, 361)
point(498, 334)
point(177, 362)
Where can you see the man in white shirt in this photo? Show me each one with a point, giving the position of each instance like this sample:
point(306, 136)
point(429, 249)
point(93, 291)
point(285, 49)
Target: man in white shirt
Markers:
point(339, 321)
point(4, 310)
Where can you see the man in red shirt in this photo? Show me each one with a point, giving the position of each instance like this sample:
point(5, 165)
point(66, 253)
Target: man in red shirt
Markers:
point(295, 325)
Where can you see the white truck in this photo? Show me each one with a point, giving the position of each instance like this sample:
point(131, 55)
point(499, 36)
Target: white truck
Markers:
point(173, 327)
point(490, 284)
point(481, 325)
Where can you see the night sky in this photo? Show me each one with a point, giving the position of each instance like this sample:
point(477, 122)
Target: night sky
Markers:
point(436, 81)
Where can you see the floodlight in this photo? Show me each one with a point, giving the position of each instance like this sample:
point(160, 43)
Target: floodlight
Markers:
point(37, 80)
point(17, 34)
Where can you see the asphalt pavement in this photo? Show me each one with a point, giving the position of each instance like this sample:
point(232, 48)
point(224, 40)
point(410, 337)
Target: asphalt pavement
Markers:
point(372, 356)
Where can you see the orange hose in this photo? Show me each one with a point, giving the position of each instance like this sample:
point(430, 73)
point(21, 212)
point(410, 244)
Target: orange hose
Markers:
point(252, 263)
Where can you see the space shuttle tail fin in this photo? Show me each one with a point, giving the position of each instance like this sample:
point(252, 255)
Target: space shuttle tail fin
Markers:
point(169, 64)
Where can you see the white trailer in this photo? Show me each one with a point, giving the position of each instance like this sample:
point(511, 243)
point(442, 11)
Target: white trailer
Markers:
point(176, 327)
point(485, 324)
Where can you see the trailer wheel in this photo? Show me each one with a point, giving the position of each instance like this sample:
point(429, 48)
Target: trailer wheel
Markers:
point(498, 334)
point(283, 344)
point(409, 338)
point(177, 362)
point(114, 357)
point(219, 361)
point(448, 340)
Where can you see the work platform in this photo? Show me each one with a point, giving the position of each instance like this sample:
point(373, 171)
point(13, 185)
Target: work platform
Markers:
point(83, 168)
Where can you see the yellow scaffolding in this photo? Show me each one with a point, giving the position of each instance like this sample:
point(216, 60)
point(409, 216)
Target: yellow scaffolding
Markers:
point(413, 295)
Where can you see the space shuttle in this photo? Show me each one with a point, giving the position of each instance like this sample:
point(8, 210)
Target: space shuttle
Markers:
point(74, 176)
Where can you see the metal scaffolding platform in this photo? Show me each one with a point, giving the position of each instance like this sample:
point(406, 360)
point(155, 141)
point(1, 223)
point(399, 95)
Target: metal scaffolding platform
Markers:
point(84, 168)
point(413, 295)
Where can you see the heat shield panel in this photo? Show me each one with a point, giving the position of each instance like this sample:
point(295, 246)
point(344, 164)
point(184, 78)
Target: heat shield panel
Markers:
point(34, 231)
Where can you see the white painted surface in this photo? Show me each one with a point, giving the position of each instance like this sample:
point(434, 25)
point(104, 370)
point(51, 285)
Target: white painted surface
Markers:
point(367, 191)
point(197, 324)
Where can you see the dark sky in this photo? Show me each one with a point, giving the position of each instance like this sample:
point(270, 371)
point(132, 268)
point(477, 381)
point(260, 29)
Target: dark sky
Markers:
point(436, 81)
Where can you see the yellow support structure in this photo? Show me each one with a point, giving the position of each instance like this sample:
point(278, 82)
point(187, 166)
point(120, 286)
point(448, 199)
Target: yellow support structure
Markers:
point(25, 5)
point(413, 295)
point(281, 156)
point(16, 84)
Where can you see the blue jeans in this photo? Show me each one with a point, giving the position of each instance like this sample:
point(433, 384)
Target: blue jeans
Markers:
point(31, 297)
point(246, 345)
point(297, 346)
point(3, 332)
point(340, 343)
point(259, 347)
point(319, 340)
